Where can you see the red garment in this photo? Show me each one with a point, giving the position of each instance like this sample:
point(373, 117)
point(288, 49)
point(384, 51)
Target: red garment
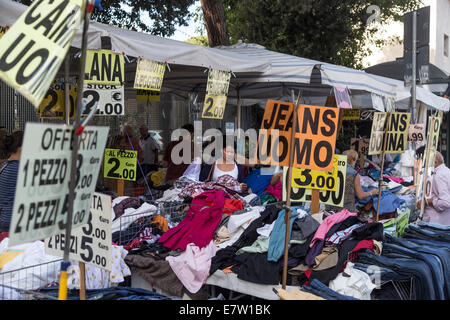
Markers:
point(199, 224)
point(231, 206)
point(3, 235)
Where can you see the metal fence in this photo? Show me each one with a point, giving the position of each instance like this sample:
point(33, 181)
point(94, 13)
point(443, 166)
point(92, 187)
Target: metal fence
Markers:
point(24, 283)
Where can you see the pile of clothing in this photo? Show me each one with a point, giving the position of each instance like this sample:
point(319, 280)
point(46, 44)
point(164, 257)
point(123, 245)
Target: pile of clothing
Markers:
point(28, 267)
point(423, 255)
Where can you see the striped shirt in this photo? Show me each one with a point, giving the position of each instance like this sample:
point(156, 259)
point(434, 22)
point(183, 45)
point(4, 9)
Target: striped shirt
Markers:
point(8, 180)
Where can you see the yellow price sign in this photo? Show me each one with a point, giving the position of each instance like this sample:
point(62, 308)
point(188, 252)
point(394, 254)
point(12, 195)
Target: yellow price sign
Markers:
point(120, 164)
point(52, 107)
point(333, 198)
point(315, 179)
point(214, 107)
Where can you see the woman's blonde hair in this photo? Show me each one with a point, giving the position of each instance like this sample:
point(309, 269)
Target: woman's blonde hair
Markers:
point(352, 156)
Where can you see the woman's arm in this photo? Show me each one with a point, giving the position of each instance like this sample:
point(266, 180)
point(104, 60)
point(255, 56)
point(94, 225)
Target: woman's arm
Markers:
point(359, 191)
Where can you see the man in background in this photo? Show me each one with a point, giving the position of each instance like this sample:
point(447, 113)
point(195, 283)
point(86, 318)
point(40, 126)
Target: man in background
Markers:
point(150, 149)
point(437, 206)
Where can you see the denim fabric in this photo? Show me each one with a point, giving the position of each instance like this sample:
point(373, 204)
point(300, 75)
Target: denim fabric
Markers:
point(389, 201)
point(434, 263)
point(114, 293)
point(441, 253)
point(414, 231)
point(433, 226)
point(405, 266)
point(380, 273)
point(319, 289)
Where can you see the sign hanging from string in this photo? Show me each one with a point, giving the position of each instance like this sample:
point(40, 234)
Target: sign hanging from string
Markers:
point(104, 67)
point(149, 75)
point(216, 94)
point(32, 50)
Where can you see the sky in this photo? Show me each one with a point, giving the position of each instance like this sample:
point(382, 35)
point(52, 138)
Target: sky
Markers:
point(184, 33)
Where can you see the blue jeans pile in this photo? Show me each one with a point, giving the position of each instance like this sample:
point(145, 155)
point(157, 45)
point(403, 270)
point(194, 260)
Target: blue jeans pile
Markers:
point(423, 254)
point(319, 289)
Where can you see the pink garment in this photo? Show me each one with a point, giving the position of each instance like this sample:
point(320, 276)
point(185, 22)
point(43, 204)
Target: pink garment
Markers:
point(192, 266)
point(395, 179)
point(440, 193)
point(199, 224)
point(328, 222)
point(275, 190)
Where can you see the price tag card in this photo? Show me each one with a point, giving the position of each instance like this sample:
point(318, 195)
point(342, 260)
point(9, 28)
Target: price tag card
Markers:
point(416, 132)
point(334, 198)
point(91, 243)
point(214, 107)
point(360, 145)
point(120, 164)
point(42, 191)
point(53, 105)
point(216, 94)
point(314, 179)
point(110, 99)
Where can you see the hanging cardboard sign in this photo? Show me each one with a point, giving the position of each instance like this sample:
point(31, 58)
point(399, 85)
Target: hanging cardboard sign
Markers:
point(416, 132)
point(3, 31)
point(110, 99)
point(343, 99)
point(397, 133)
point(314, 142)
point(433, 131)
point(334, 198)
point(351, 114)
point(53, 105)
point(216, 94)
point(120, 164)
point(41, 204)
point(313, 179)
point(377, 102)
point(149, 75)
point(148, 95)
point(389, 104)
point(104, 67)
point(32, 50)
point(90, 243)
point(360, 145)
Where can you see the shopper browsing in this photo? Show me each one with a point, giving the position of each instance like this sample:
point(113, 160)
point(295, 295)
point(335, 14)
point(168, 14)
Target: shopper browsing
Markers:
point(8, 177)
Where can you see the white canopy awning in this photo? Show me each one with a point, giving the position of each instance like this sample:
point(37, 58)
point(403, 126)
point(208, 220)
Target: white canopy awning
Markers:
point(138, 44)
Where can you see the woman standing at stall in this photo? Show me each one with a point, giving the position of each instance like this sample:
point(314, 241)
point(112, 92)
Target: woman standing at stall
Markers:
point(8, 177)
point(353, 183)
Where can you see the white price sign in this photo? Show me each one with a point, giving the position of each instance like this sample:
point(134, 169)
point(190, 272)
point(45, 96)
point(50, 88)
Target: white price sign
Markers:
point(110, 99)
point(91, 243)
point(42, 191)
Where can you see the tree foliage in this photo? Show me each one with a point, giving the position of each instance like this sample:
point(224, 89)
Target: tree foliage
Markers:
point(158, 17)
point(333, 31)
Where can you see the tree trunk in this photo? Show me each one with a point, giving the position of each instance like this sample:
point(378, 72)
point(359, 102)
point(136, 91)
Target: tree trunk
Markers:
point(216, 23)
